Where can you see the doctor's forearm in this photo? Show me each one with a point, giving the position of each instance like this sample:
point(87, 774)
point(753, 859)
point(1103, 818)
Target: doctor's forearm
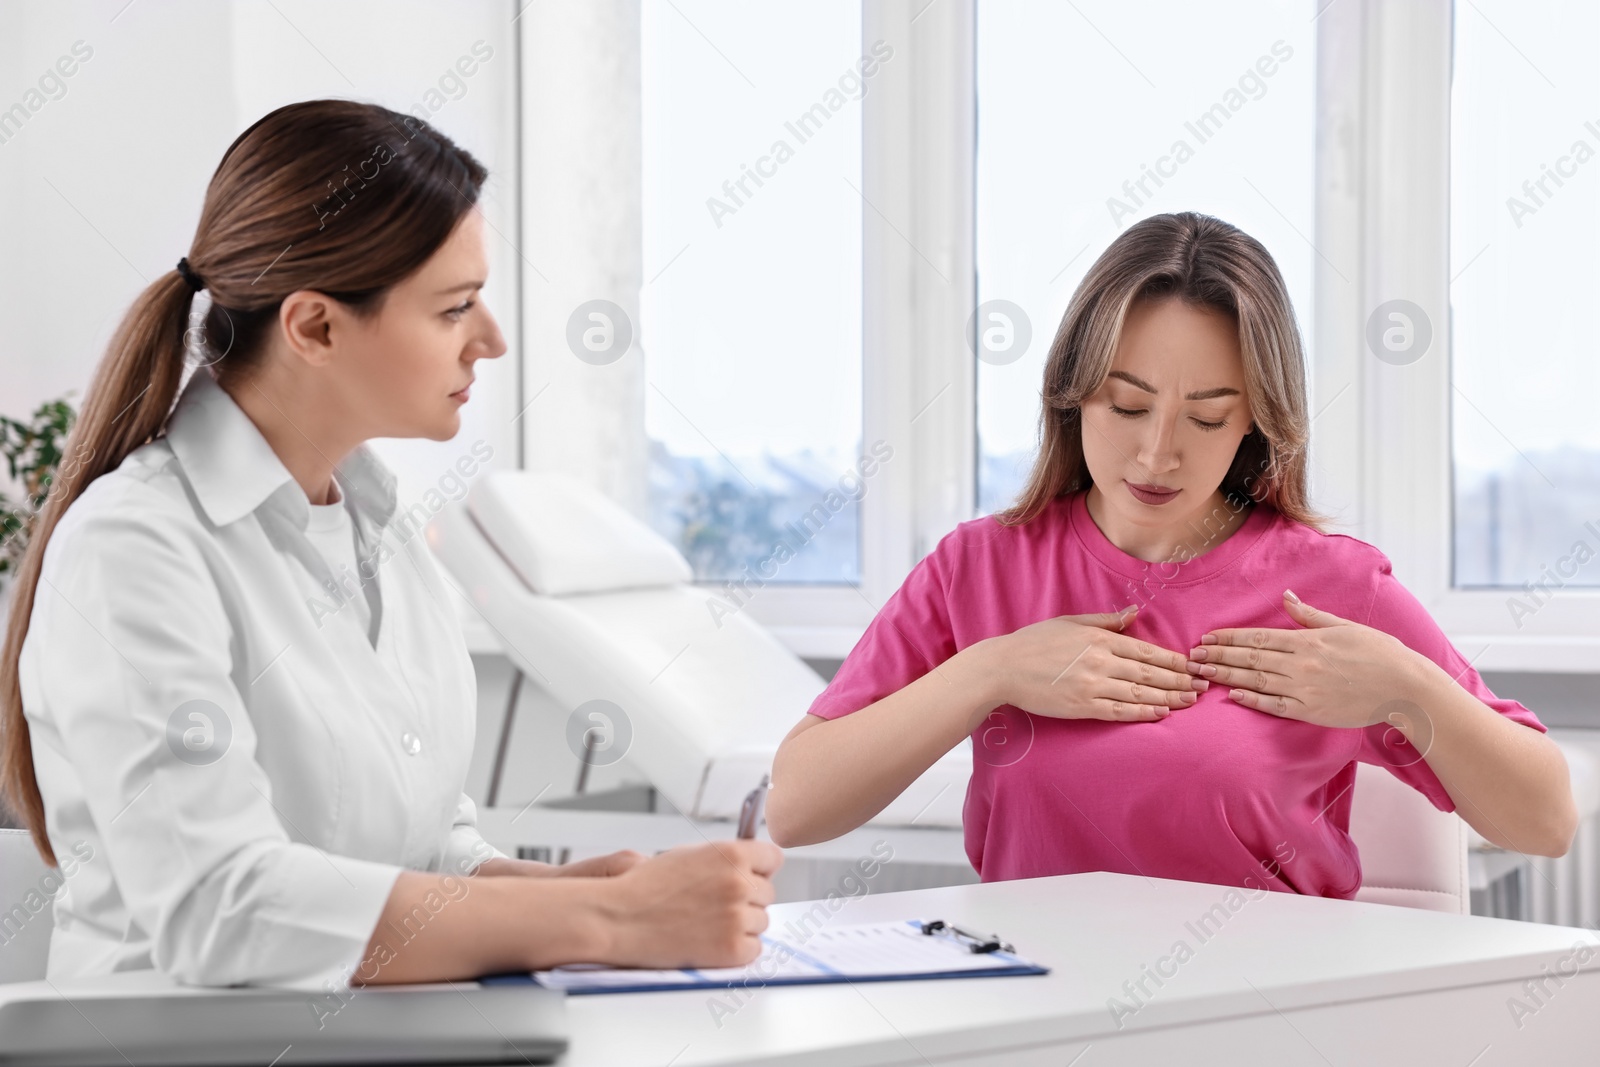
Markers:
point(436, 928)
point(691, 906)
point(1510, 783)
point(830, 776)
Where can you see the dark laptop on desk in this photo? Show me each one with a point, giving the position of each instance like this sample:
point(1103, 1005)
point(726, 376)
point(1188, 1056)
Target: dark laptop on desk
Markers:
point(466, 1023)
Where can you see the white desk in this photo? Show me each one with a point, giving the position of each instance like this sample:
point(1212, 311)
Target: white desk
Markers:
point(1282, 980)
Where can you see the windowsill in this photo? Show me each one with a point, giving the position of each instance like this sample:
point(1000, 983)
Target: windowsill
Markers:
point(1532, 654)
point(1540, 654)
point(818, 642)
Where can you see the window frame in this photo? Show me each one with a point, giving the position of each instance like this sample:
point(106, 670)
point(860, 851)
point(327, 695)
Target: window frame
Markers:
point(919, 287)
point(1383, 217)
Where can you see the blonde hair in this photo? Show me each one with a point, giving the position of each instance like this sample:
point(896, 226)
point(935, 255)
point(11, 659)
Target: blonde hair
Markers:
point(1206, 263)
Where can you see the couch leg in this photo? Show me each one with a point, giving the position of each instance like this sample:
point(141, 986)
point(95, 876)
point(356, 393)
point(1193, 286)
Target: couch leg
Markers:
point(505, 741)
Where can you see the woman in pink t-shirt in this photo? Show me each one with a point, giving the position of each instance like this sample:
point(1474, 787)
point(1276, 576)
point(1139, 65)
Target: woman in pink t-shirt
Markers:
point(1209, 731)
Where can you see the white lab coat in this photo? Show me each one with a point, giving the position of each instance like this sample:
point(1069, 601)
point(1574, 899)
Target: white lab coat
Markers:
point(233, 775)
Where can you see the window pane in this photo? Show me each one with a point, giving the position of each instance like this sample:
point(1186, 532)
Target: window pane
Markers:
point(1087, 122)
point(751, 308)
point(1525, 366)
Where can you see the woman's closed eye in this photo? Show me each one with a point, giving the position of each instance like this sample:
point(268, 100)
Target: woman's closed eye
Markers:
point(1135, 413)
point(459, 310)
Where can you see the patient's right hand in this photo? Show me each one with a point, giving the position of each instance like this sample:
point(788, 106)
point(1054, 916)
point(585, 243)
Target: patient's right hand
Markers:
point(694, 906)
point(1081, 667)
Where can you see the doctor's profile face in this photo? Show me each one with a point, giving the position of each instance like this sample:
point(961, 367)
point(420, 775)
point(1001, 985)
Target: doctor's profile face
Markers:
point(404, 370)
point(1170, 414)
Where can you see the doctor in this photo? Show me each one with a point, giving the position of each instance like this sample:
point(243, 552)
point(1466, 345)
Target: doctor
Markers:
point(237, 705)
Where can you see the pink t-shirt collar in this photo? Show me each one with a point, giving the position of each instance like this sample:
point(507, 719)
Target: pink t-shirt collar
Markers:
point(1209, 562)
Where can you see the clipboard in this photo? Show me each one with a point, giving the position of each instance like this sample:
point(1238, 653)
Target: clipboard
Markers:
point(806, 954)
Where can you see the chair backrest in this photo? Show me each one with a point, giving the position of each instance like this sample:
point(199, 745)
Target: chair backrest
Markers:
point(693, 695)
point(27, 911)
point(1412, 854)
point(563, 537)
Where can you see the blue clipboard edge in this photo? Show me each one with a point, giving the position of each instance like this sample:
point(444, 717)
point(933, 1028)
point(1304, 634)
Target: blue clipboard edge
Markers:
point(755, 982)
point(1019, 968)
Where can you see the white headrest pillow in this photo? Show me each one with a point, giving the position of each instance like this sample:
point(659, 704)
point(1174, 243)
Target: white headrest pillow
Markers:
point(563, 536)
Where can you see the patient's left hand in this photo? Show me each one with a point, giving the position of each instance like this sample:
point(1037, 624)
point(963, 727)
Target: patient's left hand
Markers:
point(607, 866)
point(1333, 673)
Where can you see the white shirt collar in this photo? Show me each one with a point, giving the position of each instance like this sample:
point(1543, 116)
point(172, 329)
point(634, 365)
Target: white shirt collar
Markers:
point(234, 470)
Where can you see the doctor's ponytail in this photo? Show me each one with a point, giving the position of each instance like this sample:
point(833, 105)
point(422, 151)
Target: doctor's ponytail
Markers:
point(336, 196)
point(134, 385)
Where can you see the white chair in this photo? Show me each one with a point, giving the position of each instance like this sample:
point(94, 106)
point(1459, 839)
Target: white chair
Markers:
point(1412, 854)
point(594, 604)
point(25, 925)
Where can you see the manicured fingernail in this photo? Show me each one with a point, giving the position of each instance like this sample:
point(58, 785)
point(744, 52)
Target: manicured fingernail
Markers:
point(1192, 667)
point(1187, 698)
point(1200, 684)
point(1209, 639)
point(1198, 654)
point(1290, 594)
point(1207, 671)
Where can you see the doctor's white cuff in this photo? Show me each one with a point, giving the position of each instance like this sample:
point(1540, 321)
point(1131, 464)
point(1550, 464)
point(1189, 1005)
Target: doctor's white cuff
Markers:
point(307, 918)
point(466, 850)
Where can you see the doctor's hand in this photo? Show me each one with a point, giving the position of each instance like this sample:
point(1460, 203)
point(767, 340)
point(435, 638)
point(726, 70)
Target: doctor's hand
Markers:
point(694, 906)
point(1083, 667)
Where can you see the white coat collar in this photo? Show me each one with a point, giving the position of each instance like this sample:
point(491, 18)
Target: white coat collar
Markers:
point(234, 470)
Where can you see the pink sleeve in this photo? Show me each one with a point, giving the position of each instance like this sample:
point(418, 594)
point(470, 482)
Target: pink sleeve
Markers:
point(909, 637)
point(1396, 611)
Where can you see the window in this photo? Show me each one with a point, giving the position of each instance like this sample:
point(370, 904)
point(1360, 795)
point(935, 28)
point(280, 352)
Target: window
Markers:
point(1009, 143)
point(1525, 361)
point(1087, 123)
point(750, 314)
point(1447, 366)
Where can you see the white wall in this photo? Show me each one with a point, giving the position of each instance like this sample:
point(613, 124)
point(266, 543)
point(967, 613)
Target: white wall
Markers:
point(102, 187)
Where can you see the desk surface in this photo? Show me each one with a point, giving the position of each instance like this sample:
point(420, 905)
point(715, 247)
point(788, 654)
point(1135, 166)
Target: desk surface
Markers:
point(1243, 956)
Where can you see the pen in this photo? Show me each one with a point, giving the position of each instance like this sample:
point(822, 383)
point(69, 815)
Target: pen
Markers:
point(754, 804)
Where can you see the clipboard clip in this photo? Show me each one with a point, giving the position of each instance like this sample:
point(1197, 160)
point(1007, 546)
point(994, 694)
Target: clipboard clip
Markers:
point(974, 942)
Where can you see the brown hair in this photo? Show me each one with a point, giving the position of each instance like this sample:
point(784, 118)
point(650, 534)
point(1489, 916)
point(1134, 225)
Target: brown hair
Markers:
point(336, 196)
point(1206, 263)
